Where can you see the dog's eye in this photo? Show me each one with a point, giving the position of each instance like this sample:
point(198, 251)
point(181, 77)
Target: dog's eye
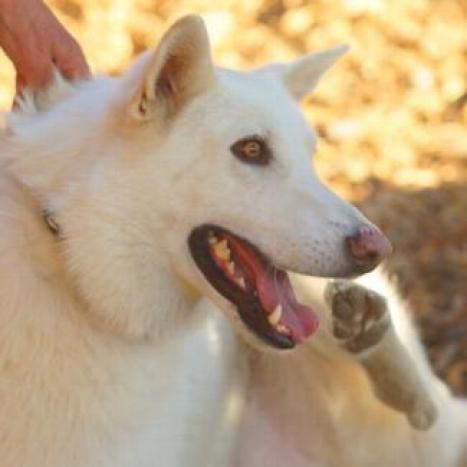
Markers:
point(252, 150)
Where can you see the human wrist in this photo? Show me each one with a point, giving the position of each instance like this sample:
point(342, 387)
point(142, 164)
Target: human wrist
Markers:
point(7, 5)
point(9, 9)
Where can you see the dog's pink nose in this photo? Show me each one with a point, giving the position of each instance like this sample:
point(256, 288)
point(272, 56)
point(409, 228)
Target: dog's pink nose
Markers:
point(369, 247)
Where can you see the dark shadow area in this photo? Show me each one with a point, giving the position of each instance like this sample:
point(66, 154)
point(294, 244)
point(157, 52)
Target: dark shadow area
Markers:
point(428, 229)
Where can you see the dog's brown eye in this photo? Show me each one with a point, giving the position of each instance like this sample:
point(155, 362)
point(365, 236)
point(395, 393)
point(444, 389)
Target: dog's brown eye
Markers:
point(252, 150)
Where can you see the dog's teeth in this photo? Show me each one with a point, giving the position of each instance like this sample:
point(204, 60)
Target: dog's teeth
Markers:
point(212, 239)
point(275, 316)
point(222, 250)
point(231, 268)
point(283, 329)
point(241, 282)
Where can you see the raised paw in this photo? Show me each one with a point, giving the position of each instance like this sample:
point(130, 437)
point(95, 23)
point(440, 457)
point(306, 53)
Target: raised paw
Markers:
point(360, 316)
point(423, 414)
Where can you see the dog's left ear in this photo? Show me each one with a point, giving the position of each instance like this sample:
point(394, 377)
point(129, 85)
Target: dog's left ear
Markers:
point(179, 69)
point(302, 75)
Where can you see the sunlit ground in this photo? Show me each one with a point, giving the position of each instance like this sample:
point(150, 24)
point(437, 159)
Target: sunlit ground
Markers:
point(392, 118)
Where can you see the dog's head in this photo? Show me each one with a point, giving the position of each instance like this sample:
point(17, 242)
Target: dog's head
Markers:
point(181, 167)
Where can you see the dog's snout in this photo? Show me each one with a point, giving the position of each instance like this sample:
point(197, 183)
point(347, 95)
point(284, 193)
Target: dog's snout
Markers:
point(368, 246)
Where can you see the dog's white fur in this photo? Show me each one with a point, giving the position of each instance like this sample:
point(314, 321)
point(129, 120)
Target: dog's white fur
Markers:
point(105, 359)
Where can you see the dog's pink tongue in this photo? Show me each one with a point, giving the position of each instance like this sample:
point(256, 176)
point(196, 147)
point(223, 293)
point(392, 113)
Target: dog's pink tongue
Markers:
point(274, 288)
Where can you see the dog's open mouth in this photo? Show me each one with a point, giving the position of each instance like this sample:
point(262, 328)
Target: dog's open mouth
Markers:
point(261, 292)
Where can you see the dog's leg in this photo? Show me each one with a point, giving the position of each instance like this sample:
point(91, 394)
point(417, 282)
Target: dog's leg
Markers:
point(363, 327)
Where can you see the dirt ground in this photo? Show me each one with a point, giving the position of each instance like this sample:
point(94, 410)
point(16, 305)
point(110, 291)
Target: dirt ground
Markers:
point(391, 116)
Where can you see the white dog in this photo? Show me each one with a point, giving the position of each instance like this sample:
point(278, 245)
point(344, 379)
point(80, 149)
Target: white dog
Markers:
point(125, 200)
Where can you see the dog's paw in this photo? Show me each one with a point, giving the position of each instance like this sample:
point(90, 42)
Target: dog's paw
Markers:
point(360, 316)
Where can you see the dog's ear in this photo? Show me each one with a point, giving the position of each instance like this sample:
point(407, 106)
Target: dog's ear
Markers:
point(302, 75)
point(179, 69)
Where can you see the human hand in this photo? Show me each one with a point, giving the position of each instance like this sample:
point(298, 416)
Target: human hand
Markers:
point(35, 42)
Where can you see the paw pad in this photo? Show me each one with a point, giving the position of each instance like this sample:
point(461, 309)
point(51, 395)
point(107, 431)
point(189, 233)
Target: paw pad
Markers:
point(360, 316)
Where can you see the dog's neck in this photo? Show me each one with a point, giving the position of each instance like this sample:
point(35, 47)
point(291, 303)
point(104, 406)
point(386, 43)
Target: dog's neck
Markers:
point(122, 277)
point(117, 266)
point(149, 301)
point(164, 302)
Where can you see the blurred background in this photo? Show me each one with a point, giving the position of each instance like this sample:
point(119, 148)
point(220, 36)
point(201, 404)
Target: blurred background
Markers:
point(391, 116)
